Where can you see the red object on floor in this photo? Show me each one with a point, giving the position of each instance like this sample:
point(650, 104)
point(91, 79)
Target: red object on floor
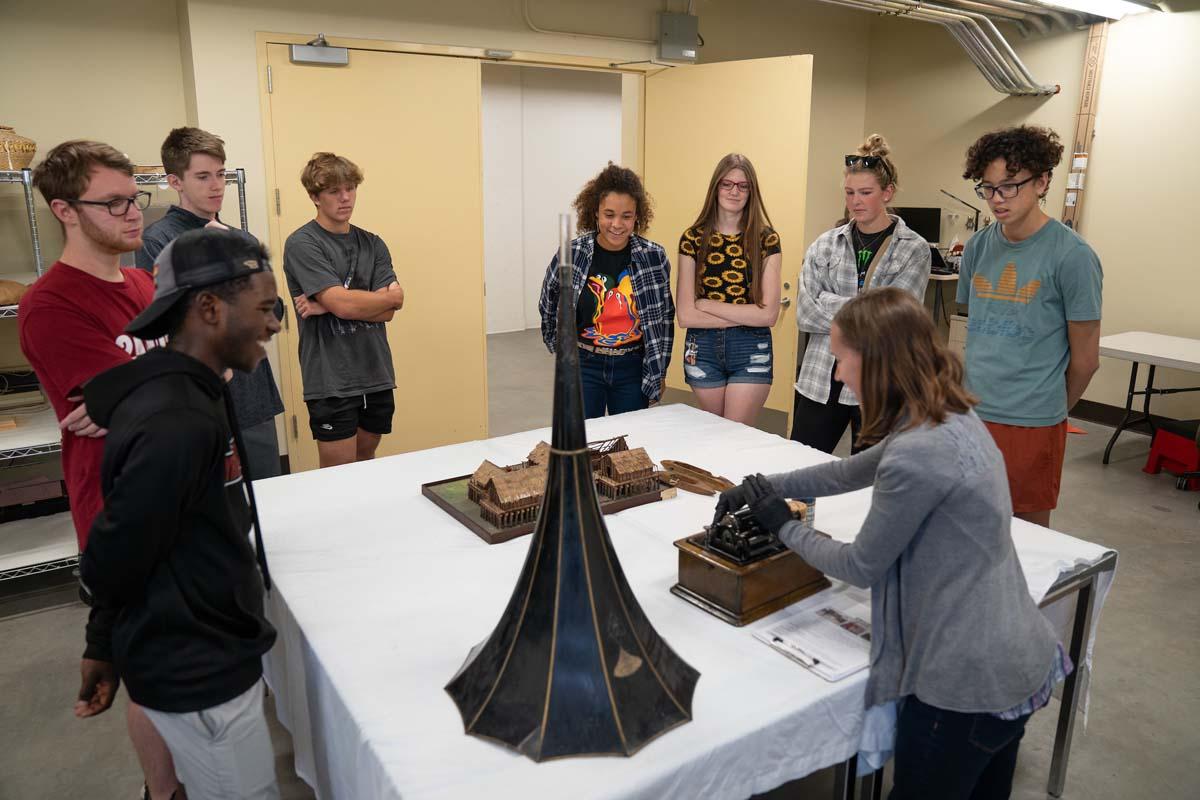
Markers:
point(1072, 429)
point(1176, 452)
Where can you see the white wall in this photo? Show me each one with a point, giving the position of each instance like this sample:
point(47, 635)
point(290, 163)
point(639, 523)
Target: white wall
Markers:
point(546, 132)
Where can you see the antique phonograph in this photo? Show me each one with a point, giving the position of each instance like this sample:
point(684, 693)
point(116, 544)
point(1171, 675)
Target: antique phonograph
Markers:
point(739, 572)
point(573, 667)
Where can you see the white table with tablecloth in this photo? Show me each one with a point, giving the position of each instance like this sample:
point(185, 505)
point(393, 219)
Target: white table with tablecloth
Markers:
point(379, 594)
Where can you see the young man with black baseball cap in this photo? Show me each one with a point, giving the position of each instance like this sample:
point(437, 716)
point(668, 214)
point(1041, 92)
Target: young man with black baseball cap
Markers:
point(177, 585)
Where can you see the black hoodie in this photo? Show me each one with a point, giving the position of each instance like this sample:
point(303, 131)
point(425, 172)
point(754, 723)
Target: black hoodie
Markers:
point(178, 603)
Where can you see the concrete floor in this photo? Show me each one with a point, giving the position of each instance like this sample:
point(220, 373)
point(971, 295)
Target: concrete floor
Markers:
point(1141, 735)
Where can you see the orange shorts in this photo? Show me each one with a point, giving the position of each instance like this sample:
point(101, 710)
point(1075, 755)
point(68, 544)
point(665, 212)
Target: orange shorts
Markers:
point(1033, 458)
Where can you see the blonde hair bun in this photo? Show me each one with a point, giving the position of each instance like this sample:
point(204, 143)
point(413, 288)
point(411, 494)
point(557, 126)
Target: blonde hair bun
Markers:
point(875, 145)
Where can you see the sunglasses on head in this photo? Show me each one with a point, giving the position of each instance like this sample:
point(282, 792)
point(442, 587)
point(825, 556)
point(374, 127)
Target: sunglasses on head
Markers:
point(867, 161)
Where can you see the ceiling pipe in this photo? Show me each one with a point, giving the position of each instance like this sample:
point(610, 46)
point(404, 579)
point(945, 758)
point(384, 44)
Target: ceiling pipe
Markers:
point(1010, 14)
point(1017, 79)
point(1067, 19)
point(1005, 49)
point(987, 65)
point(979, 49)
point(976, 34)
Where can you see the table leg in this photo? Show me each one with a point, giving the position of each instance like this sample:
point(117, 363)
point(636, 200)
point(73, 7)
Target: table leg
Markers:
point(1081, 633)
point(1128, 410)
point(844, 779)
point(872, 785)
point(1146, 401)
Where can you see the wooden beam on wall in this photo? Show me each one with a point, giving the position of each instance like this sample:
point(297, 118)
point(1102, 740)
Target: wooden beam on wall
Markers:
point(1085, 124)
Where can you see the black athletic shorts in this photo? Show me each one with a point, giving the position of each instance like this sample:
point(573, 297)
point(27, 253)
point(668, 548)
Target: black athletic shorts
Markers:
point(333, 419)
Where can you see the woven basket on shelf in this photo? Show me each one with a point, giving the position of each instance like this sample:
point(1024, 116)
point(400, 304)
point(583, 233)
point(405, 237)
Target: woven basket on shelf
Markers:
point(16, 152)
point(147, 169)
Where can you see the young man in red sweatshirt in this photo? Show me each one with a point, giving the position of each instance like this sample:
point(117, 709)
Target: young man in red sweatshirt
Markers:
point(72, 327)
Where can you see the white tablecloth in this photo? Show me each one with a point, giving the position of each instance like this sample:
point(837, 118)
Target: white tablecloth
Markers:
point(379, 595)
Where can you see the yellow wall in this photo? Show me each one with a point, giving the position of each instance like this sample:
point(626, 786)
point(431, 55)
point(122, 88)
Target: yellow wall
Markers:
point(837, 39)
point(88, 71)
point(223, 55)
point(908, 80)
point(931, 103)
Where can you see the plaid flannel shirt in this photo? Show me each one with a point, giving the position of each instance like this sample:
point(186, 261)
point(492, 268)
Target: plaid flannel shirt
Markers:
point(651, 280)
point(829, 279)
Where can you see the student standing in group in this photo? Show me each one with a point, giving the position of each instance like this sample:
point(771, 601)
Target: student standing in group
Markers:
point(194, 161)
point(728, 294)
point(344, 287)
point(1033, 289)
point(178, 587)
point(961, 657)
point(871, 249)
point(71, 325)
point(622, 286)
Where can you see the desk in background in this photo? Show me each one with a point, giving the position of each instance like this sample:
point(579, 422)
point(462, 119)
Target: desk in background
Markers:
point(1156, 350)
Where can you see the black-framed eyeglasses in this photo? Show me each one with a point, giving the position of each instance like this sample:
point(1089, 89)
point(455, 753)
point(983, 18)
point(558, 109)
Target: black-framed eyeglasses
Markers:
point(1007, 191)
point(119, 206)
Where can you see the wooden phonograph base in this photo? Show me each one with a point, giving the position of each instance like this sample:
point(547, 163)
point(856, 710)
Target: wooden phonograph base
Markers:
point(742, 593)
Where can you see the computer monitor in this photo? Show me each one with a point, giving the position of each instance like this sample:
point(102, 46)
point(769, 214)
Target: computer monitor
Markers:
point(926, 222)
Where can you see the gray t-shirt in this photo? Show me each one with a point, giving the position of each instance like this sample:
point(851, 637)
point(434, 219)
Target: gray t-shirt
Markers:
point(340, 357)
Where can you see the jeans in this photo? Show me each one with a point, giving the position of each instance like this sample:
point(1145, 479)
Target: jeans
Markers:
point(714, 357)
point(611, 383)
point(949, 755)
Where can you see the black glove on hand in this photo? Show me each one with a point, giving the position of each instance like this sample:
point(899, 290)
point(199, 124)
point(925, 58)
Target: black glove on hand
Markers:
point(771, 510)
point(730, 500)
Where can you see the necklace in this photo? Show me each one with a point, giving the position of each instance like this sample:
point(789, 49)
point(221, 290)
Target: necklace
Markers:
point(860, 240)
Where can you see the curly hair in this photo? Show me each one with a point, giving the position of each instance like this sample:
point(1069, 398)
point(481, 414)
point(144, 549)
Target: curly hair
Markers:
point(1024, 147)
point(612, 178)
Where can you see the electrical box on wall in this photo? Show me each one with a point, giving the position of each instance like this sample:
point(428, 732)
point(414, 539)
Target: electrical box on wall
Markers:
point(678, 37)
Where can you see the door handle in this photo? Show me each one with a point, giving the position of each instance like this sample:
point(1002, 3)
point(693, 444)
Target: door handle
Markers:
point(785, 301)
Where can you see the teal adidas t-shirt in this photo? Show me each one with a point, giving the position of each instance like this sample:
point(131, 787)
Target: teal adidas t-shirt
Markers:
point(1020, 296)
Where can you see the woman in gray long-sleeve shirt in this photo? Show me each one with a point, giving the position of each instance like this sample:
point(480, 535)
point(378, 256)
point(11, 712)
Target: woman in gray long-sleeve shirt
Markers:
point(959, 647)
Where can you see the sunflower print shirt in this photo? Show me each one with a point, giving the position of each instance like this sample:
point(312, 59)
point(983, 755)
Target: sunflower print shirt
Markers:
point(725, 276)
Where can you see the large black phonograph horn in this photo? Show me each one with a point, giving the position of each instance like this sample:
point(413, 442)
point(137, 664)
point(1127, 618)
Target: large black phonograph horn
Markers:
point(573, 667)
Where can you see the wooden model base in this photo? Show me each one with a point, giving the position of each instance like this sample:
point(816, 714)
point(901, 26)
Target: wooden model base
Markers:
point(739, 594)
point(451, 496)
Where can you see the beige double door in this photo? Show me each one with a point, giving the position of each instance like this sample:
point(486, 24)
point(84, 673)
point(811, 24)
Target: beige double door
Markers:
point(413, 124)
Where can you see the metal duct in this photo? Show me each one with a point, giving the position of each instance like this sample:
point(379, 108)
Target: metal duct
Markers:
point(975, 33)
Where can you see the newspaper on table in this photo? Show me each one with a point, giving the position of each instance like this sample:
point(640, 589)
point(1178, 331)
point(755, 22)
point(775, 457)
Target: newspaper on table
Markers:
point(829, 633)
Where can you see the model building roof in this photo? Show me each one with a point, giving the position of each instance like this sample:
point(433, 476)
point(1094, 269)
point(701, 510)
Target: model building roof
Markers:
point(519, 485)
point(486, 470)
point(613, 445)
point(539, 454)
point(629, 461)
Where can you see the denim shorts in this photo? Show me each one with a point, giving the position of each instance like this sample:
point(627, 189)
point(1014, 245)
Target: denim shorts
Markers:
point(713, 357)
